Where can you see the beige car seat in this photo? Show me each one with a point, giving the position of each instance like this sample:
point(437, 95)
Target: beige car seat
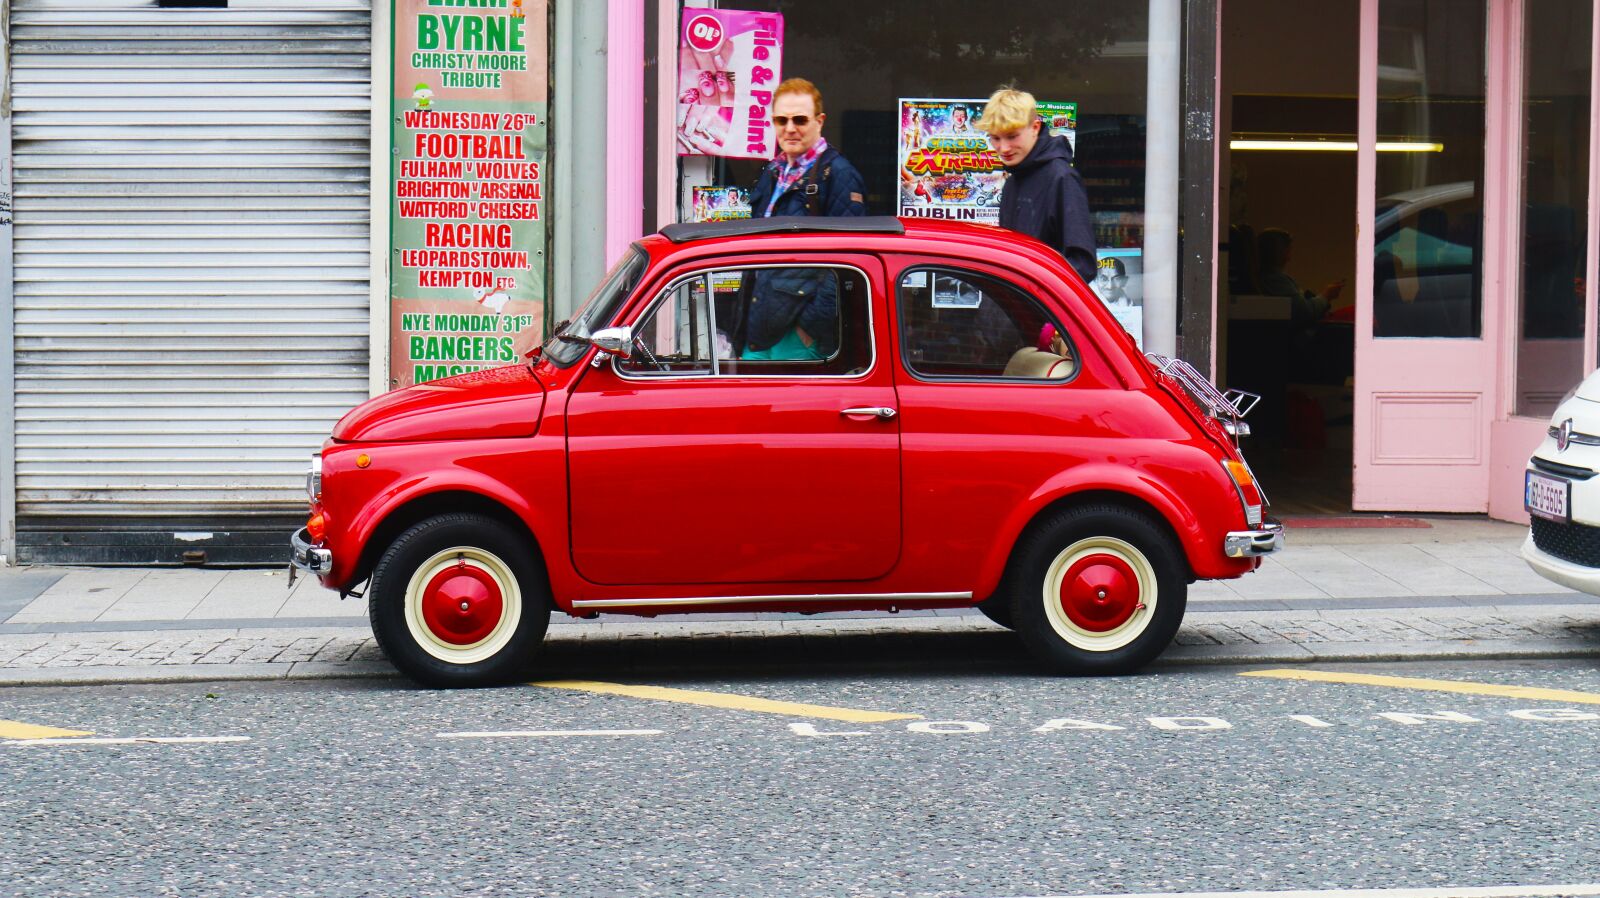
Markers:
point(1039, 365)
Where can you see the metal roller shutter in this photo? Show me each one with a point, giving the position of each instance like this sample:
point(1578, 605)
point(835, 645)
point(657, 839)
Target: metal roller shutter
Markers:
point(192, 228)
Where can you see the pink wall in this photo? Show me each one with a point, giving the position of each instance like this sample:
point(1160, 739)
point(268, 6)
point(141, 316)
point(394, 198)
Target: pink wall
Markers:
point(625, 39)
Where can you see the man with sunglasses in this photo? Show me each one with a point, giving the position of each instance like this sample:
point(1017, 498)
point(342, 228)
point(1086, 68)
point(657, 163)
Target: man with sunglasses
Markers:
point(794, 314)
point(806, 176)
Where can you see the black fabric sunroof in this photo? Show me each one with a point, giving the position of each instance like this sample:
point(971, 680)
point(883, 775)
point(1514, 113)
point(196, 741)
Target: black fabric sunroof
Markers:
point(700, 230)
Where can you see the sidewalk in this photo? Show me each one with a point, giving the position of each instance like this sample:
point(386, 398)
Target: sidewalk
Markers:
point(1455, 589)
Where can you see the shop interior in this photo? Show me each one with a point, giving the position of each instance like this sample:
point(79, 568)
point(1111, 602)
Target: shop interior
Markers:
point(1285, 261)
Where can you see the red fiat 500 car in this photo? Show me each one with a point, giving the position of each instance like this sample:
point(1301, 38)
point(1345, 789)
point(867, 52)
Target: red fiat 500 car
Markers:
point(796, 415)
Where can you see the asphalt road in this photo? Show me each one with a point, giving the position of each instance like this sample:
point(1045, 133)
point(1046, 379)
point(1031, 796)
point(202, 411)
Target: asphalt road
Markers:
point(1004, 783)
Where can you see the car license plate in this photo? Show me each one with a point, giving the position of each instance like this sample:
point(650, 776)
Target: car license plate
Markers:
point(1548, 497)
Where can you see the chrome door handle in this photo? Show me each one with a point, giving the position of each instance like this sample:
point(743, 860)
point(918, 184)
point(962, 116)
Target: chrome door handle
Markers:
point(875, 411)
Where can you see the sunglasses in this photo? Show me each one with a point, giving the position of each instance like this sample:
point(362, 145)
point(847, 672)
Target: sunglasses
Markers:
point(800, 121)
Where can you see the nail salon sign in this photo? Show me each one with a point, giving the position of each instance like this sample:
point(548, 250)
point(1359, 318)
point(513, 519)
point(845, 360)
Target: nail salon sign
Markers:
point(729, 62)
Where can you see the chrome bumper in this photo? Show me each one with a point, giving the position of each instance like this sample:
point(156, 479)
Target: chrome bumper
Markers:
point(306, 557)
point(1254, 543)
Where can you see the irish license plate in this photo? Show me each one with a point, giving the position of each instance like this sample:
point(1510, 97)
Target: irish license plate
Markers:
point(1548, 497)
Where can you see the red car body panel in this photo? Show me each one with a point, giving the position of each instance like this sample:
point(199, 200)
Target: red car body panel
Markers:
point(497, 403)
point(639, 490)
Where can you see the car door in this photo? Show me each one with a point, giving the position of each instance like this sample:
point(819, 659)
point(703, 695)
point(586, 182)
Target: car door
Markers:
point(694, 461)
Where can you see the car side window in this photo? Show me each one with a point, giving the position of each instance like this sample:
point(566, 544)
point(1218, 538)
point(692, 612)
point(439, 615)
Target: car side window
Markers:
point(675, 338)
point(758, 321)
point(961, 324)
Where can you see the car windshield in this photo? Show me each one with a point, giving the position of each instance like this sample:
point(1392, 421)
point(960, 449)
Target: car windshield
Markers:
point(565, 345)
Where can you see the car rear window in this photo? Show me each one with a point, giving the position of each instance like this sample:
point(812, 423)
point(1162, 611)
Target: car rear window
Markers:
point(963, 325)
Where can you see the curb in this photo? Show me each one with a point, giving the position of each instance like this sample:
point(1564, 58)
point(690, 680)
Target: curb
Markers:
point(720, 652)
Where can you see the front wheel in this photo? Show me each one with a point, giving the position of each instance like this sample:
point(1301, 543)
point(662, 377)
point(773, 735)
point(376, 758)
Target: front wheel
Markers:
point(459, 600)
point(1097, 590)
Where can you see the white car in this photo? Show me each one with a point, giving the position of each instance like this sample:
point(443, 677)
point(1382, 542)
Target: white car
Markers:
point(1562, 493)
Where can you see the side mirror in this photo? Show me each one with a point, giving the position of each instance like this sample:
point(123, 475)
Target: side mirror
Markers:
point(614, 341)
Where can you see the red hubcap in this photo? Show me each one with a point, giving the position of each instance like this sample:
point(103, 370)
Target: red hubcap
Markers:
point(1100, 593)
point(461, 605)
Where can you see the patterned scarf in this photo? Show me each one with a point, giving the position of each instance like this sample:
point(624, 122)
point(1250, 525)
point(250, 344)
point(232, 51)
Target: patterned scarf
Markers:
point(790, 173)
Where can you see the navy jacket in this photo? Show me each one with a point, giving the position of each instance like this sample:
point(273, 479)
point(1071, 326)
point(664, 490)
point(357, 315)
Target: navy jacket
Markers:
point(788, 297)
point(840, 190)
point(1044, 198)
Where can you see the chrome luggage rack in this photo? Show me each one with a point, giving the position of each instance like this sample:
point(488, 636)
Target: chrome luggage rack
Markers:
point(1229, 407)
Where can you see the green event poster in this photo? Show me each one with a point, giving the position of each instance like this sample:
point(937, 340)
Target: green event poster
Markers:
point(467, 181)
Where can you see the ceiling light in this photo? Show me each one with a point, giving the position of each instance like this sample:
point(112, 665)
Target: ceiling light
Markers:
point(1334, 146)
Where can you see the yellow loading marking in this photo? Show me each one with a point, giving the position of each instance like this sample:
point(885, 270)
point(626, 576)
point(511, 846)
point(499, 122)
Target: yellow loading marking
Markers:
point(11, 729)
point(1530, 692)
point(727, 700)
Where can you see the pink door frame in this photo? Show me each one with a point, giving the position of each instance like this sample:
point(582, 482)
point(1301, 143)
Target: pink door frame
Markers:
point(625, 43)
point(1513, 437)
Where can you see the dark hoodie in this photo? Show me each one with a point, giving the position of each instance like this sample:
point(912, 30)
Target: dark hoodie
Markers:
point(1044, 198)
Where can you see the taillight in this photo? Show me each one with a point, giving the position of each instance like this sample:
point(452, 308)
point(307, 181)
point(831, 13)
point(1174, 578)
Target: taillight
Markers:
point(1249, 492)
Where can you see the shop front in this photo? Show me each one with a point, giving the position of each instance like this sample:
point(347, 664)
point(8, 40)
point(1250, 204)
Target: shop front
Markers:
point(210, 257)
point(1432, 164)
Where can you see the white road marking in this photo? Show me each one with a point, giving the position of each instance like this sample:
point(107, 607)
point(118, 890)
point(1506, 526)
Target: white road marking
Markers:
point(1310, 721)
point(806, 729)
point(537, 733)
point(1189, 723)
point(133, 740)
point(1562, 891)
point(947, 727)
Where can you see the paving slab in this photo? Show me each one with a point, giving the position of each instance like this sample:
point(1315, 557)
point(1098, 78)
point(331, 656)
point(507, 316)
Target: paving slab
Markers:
point(81, 594)
point(19, 587)
point(168, 594)
point(247, 593)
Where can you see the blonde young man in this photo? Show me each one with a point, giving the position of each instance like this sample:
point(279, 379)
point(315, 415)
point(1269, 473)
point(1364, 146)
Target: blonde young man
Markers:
point(1044, 195)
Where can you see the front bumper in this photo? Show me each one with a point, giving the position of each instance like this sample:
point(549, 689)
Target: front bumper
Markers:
point(314, 560)
point(1559, 570)
point(1255, 543)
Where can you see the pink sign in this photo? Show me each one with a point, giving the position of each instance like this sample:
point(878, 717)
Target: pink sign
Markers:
point(729, 62)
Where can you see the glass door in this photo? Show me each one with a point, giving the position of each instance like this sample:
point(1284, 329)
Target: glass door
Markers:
point(1425, 321)
point(1554, 204)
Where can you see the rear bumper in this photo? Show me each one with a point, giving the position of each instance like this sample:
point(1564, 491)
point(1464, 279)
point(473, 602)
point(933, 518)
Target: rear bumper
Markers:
point(314, 560)
point(1255, 543)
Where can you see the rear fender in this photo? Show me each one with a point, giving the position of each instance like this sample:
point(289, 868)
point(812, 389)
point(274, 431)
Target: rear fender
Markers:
point(1201, 547)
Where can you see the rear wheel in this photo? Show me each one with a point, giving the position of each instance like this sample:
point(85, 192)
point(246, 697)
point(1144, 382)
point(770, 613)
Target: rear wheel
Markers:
point(459, 600)
point(1097, 590)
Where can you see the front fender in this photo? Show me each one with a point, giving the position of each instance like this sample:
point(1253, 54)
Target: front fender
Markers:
point(358, 502)
point(1199, 508)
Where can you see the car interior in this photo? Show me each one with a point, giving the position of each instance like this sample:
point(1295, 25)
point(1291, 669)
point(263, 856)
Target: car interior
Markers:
point(961, 324)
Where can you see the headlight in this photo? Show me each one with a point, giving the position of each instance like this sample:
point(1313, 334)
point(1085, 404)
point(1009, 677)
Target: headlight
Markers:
point(314, 477)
